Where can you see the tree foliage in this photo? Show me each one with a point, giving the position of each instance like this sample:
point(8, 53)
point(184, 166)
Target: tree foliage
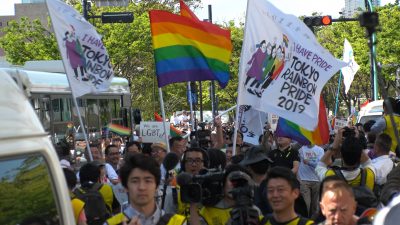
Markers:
point(332, 38)
point(25, 40)
point(130, 48)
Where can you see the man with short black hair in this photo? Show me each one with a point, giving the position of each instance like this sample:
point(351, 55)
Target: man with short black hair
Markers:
point(353, 158)
point(140, 175)
point(282, 191)
point(285, 155)
point(177, 145)
point(112, 161)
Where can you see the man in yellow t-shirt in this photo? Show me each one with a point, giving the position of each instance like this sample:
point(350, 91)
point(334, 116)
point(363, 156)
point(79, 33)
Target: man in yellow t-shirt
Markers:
point(283, 189)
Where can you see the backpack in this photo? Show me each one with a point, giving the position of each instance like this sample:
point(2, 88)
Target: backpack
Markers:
point(95, 207)
point(363, 195)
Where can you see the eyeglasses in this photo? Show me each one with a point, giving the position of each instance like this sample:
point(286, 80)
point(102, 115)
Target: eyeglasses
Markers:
point(113, 153)
point(194, 161)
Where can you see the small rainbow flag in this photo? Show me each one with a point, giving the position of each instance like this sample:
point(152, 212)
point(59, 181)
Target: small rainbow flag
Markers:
point(172, 130)
point(187, 49)
point(121, 130)
point(319, 136)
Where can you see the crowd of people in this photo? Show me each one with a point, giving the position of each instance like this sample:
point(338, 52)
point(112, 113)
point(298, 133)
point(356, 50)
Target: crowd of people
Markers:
point(278, 182)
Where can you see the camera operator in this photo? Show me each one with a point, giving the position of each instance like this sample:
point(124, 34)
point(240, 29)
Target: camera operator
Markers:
point(257, 162)
point(283, 189)
point(220, 212)
point(193, 161)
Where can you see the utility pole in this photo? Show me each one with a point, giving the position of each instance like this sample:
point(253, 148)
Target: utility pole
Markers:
point(398, 81)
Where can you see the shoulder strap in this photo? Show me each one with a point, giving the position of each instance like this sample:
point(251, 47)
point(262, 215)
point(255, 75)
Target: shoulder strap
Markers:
point(363, 177)
point(302, 221)
point(265, 219)
point(164, 219)
point(339, 173)
point(96, 186)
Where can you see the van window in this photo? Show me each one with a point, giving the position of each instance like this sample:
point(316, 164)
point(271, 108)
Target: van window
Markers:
point(25, 191)
point(376, 109)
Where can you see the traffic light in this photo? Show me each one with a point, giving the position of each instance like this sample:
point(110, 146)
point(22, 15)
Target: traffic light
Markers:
point(317, 21)
point(117, 17)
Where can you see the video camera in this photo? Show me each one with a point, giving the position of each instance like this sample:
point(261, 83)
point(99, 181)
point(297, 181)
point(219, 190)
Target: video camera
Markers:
point(243, 211)
point(202, 136)
point(205, 188)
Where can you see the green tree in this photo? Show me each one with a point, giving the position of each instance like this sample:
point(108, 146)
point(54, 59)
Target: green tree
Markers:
point(25, 40)
point(388, 50)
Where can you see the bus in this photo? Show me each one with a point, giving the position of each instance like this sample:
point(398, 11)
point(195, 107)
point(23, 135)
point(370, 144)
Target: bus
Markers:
point(47, 87)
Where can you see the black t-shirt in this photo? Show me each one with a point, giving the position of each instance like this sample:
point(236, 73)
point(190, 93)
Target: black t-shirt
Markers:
point(284, 158)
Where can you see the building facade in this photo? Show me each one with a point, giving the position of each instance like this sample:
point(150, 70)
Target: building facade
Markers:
point(33, 9)
point(354, 7)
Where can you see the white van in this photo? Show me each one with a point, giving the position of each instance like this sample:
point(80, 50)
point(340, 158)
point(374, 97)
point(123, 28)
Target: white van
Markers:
point(371, 111)
point(32, 183)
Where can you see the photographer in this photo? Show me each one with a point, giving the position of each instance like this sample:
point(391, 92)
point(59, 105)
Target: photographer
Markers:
point(356, 169)
point(220, 212)
point(347, 145)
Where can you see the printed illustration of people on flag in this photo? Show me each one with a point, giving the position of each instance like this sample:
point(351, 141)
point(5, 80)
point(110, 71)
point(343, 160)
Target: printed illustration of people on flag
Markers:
point(265, 65)
point(287, 70)
point(75, 54)
point(86, 61)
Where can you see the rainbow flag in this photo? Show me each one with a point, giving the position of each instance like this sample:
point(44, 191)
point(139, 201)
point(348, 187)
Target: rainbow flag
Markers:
point(319, 136)
point(173, 132)
point(185, 11)
point(121, 130)
point(187, 49)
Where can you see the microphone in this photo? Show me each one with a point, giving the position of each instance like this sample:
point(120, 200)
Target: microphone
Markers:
point(170, 161)
point(184, 178)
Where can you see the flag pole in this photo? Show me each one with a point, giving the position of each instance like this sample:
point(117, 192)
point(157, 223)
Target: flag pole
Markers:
point(225, 112)
point(82, 126)
point(163, 115)
point(212, 84)
point(191, 105)
point(337, 94)
point(73, 97)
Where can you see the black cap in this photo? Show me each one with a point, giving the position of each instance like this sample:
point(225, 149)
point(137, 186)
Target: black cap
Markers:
point(97, 163)
point(254, 155)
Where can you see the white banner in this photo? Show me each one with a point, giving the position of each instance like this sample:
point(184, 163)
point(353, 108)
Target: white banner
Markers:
point(86, 62)
point(352, 67)
point(152, 132)
point(282, 67)
point(251, 123)
point(339, 123)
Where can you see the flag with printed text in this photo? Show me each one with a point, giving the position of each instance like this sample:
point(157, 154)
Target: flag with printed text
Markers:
point(282, 67)
point(86, 61)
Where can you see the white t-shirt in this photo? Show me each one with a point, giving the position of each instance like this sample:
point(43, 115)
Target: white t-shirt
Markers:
point(110, 172)
point(313, 155)
point(383, 165)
